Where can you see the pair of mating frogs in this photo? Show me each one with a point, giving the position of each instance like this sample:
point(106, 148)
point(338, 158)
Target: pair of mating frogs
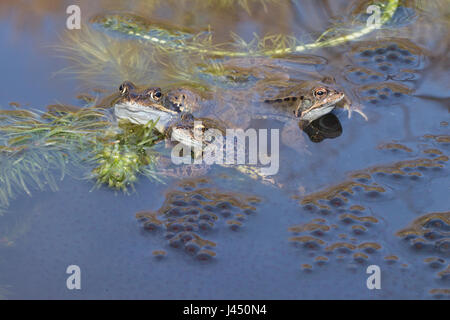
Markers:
point(177, 108)
point(176, 111)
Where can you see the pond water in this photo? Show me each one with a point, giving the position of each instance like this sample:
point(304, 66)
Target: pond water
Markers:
point(349, 194)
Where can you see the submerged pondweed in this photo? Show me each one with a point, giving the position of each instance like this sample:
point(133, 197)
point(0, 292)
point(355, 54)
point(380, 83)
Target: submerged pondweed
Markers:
point(120, 161)
point(35, 145)
point(165, 53)
point(175, 39)
point(244, 4)
point(117, 166)
point(96, 58)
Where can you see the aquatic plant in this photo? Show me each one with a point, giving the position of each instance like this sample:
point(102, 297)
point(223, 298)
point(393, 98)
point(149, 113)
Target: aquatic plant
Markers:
point(165, 53)
point(34, 145)
point(120, 161)
point(173, 39)
point(97, 59)
point(28, 171)
point(244, 4)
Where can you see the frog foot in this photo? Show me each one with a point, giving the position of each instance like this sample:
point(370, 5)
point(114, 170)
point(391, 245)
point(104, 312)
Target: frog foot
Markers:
point(350, 107)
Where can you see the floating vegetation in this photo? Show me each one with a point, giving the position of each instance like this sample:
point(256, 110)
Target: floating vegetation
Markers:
point(174, 39)
point(120, 161)
point(166, 53)
point(96, 59)
point(130, 24)
point(36, 145)
point(245, 4)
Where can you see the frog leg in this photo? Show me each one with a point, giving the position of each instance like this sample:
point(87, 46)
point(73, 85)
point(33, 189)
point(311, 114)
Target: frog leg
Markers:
point(255, 173)
point(347, 104)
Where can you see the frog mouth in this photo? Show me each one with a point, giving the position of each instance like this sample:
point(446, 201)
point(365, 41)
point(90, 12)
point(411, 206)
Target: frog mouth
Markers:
point(142, 114)
point(326, 106)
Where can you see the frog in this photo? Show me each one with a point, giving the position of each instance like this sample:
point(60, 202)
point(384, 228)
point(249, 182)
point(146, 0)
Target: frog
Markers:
point(308, 104)
point(299, 105)
point(295, 105)
point(290, 90)
point(173, 110)
point(140, 105)
point(183, 100)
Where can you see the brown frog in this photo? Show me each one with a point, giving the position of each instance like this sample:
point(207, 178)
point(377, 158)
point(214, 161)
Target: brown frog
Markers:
point(141, 105)
point(308, 104)
point(145, 97)
point(183, 100)
point(296, 106)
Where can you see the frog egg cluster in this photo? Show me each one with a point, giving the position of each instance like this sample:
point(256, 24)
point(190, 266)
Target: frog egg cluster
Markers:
point(343, 228)
point(387, 72)
point(342, 233)
point(430, 235)
point(195, 210)
point(440, 293)
point(391, 61)
point(385, 94)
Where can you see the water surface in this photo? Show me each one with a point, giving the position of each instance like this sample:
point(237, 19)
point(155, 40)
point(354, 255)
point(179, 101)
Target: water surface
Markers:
point(377, 194)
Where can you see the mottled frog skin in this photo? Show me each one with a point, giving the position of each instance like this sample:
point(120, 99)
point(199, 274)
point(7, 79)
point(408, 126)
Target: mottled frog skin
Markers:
point(309, 104)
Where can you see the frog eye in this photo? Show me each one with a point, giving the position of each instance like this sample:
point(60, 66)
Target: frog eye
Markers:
point(156, 95)
point(125, 88)
point(320, 92)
